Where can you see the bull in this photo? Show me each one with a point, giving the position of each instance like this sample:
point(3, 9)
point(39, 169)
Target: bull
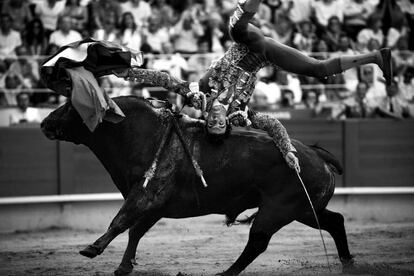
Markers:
point(244, 171)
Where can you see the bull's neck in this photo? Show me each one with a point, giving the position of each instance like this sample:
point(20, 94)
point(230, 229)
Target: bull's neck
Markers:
point(126, 152)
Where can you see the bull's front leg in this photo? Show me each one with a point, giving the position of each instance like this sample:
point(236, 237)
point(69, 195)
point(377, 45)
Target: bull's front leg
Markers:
point(135, 234)
point(139, 203)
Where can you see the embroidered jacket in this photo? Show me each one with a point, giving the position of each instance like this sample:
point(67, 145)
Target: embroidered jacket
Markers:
point(230, 80)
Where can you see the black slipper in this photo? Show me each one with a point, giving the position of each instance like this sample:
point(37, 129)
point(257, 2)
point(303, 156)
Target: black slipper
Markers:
point(386, 65)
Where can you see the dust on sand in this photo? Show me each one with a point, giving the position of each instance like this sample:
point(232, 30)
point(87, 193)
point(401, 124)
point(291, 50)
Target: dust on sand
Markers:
point(203, 246)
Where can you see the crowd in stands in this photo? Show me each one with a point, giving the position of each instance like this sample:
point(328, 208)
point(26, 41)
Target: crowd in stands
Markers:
point(183, 37)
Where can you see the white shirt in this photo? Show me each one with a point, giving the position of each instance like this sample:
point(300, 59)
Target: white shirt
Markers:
point(301, 10)
point(8, 43)
point(157, 39)
point(60, 39)
point(141, 12)
point(131, 39)
point(175, 64)
point(323, 11)
point(365, 35)
point(31, 115)
point(49, 15)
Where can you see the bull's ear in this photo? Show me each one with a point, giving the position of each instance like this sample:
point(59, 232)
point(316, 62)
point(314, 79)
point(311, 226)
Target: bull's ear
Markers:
point(114, 114)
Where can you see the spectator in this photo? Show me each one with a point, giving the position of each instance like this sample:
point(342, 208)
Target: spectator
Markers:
point(264, 14)
point(172, 62)
point(186, 33)
point(332, 33)
point(13, 84)
point(299, 10)
point(24, 113)
point(356, 13)
point(289, 82)
point(102, 9)
point(372, 31)
point(407, 7)
point(20, 12)
point(325, 9)
point(129, 34)
point(49, 13)
point(200, 62)
point(156, 35)
point(77, 13)
point(376, 90)
point(34, 39)
point(108, 31)
point(26, 67)
point(406, 84)
point(358, 106)
point(392, 105)
point(304, 39)
point(65, 33)
point(270, 89)
point(282, 31)
point(9, 38)
point(287, 99)
point(141, 11)
point(373, 44)
point(344, 49)
point(165, 12)
point(214, 33)
point(260, 101)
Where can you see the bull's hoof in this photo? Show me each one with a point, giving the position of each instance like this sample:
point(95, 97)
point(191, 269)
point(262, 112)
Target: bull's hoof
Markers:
point(123, 270)
point(91, 251)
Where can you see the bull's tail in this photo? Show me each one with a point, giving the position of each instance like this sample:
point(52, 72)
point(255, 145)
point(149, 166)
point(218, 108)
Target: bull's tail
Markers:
point(329, 158)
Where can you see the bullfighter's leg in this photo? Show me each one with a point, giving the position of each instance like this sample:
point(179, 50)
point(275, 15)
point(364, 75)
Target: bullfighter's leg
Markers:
point(268, 221)
point(135, 234)
point(291, 59)
point(334, 224)
point(139, 202)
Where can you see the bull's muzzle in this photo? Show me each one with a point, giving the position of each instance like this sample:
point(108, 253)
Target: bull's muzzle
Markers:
point(51, 133)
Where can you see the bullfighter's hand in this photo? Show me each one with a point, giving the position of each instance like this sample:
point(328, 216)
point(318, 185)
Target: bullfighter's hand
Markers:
point(239, 118)
point(197, 100)
point(292, 161)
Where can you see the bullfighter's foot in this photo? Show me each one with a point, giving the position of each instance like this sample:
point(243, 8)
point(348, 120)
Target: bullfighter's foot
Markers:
point(347, 264)
point(91, 251)
point(386, 65)
point(123, 270)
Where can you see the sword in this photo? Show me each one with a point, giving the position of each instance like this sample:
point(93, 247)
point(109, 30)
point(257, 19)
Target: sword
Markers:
point(314, 214)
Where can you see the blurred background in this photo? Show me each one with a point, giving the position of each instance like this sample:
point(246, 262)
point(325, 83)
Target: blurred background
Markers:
point(367, 126)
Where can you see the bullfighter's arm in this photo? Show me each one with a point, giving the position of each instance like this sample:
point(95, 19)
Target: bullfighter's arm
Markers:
point(156, 78)
point(274, 128)
point(189, 91)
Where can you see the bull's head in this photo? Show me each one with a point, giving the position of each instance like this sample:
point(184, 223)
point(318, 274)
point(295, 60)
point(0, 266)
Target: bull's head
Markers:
point(65, 124)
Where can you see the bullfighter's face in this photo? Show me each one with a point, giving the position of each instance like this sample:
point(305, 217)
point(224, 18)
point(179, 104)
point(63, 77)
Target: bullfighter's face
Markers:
point(65, 124)
point(216, 120)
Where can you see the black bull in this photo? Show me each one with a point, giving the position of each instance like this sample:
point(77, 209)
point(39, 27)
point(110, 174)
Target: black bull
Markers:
point(244, 171)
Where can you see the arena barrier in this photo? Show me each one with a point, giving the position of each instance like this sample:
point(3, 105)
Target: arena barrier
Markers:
point(377, 156)
point(118, 196)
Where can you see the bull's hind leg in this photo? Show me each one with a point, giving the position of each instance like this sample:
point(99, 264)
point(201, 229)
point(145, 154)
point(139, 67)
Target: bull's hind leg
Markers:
point(139, 202)
point(267, 222)
point(135, 234)
point(334, 224)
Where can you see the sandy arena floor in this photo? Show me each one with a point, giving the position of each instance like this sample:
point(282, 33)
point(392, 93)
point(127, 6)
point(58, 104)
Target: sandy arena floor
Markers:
point(203, 246)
